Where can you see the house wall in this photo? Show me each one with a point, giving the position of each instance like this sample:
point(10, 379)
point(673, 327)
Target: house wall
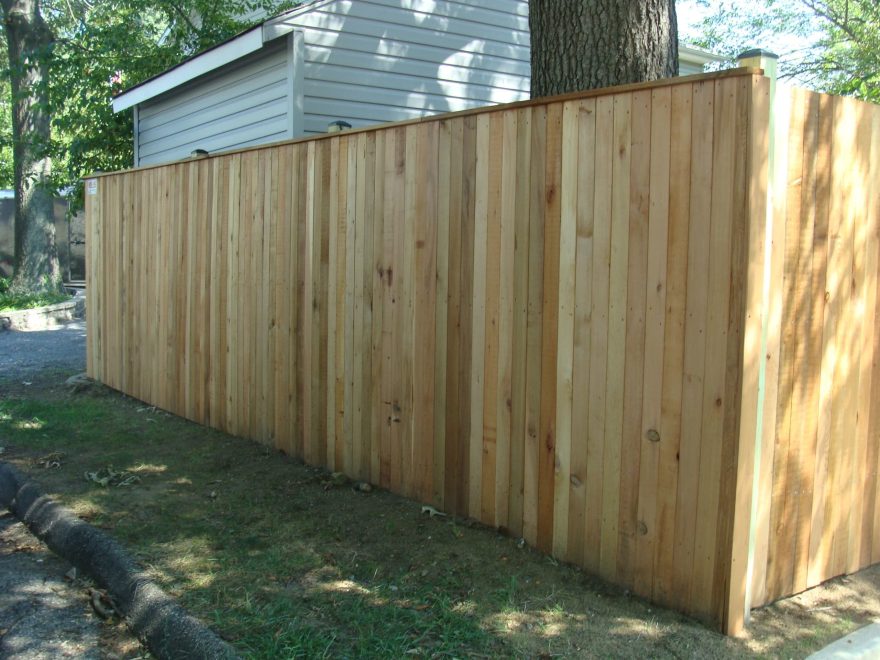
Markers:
point(243, 104)
point(363, 61)
point(375, 61)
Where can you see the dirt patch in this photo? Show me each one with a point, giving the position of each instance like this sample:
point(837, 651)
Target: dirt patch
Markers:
point(817, 616)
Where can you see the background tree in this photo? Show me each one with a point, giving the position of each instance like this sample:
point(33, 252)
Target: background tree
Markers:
point(830, 45)
point(106, 47)
point(586, 44)
point(29, 41)
point(66, 59)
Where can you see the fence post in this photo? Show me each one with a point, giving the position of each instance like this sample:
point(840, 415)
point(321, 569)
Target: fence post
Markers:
point(767, 61)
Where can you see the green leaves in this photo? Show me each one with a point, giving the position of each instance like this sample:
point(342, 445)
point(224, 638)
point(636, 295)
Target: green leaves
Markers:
point(830, 45)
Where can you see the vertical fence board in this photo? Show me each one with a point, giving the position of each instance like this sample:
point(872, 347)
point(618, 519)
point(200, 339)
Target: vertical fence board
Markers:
point(518, 429)
point(491, 301)
point(506, 329)
point(441, 317)
point(629, 529)
point(811, 316)
point(695, 340)
point(537, 186)
point(715, 395)
point(454, 350)
point(565, 340)
point(871, 550)
point(617, 319)
point(673, 341)
point(582, 355)
point(549, 315)
point(649, 436)
point(599, 314)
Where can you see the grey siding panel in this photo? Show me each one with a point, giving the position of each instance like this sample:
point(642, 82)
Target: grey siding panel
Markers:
point(503, 74)
point(372, 61)
point(452, 35)
point(232, 83)
point(329, 46)
point(237, 106)
point(391, 87)
point(358, 113)
point(219, 132)
point(498, 30)
point(151, 132)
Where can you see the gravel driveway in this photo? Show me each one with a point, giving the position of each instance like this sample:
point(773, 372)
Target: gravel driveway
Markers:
point(24, 354)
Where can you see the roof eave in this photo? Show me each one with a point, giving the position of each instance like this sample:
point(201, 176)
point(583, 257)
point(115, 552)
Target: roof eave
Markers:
point(210, 60)
point(214, 58)
point(697, 55)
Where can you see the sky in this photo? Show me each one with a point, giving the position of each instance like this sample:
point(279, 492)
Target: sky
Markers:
point(689, 15)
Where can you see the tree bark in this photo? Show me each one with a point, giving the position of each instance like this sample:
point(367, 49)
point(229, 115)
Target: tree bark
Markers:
point(587, 44)
point(29, 40)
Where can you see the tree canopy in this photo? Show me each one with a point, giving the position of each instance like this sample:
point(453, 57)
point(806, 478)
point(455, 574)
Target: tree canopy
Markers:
point(829, 45)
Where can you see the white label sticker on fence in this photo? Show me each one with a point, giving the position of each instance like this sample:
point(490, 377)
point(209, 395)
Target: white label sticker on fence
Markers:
point(92, 187)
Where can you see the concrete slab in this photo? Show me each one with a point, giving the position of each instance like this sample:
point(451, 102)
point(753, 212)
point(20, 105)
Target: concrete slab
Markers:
point(863, 644)
point(44, 318)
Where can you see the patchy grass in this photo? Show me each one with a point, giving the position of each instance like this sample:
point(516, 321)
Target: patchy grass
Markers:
point(10, 302)
point(284, 565)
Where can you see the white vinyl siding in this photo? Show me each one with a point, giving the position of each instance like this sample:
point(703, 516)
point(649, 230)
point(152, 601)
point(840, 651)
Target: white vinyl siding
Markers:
point(689, 68)
point(371, 61)
point(242, 104)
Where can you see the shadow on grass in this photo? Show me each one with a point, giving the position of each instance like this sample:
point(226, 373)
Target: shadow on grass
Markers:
point(286, 565)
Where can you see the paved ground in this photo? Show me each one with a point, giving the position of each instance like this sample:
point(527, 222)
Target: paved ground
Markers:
point(23, 354)
point(43, 614)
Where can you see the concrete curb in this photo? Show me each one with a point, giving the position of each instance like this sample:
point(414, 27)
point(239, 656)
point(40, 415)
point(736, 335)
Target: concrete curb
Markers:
point(42, 318)
point(156, 618)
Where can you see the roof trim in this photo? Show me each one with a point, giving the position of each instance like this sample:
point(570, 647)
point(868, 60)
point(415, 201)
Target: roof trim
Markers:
point(213, 58)
point(699, 56)
point(276, 26)
point(232, 49)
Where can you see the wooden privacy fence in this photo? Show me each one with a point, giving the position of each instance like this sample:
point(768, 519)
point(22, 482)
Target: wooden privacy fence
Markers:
point(548, 316)
point(819, 495)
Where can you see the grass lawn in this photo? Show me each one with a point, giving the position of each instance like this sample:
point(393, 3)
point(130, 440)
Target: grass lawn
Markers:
point(285, 564)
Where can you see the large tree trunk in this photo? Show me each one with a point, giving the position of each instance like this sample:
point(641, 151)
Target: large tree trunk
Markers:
point(586, 44)
point(28, 40)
